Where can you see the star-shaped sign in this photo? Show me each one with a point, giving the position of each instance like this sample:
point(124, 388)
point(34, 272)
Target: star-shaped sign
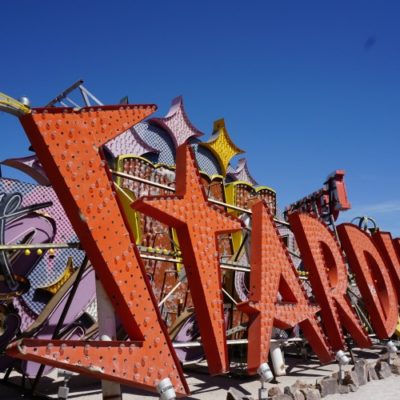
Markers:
point(177, 123)
point(129, 142)
point(197, 222)
point(222, 146)
point(241, 172)
point(273, 272)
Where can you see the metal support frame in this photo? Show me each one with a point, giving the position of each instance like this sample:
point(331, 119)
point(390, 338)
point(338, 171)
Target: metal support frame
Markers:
point(166, 297)
point(62, 317)
point(234, 342)
point(229, 296)
point(165, 187)
point(40, 246)
point(86, 96)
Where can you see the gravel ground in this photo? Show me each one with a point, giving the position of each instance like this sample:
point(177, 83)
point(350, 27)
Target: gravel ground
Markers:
point(387, 389)
point(205, 387)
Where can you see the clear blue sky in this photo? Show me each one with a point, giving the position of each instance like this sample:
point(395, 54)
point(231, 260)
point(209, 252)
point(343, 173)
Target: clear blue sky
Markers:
point(305, 87)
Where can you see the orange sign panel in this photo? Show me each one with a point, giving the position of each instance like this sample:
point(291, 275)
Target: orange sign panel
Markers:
point(197, 223)
point(273, 274)
point(67, 143)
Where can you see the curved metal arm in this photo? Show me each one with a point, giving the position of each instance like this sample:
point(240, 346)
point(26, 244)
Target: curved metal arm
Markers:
point(12, 106)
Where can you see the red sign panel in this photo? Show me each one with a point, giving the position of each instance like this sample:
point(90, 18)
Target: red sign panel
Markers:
point(67, 143)
point(372, 278)
point(328, 276)
point(273, 274)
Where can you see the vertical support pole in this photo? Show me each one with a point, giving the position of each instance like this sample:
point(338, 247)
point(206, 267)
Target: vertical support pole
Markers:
point(107, 329)
point(278, 361)
point(341, 374)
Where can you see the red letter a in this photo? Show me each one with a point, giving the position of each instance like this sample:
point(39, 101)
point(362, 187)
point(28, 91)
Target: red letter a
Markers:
point(272, 272)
